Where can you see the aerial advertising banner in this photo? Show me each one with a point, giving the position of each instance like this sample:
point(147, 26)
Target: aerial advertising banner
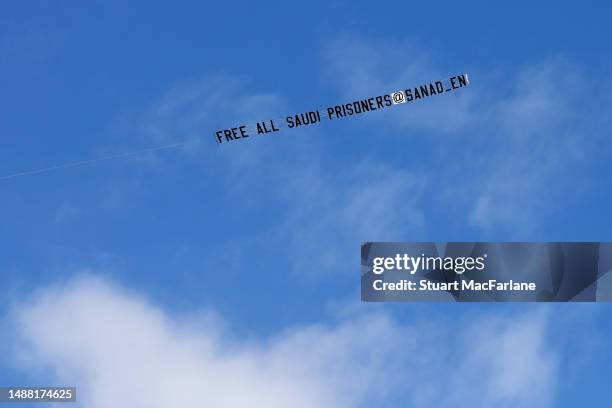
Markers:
point(486, 271)
point(373, 103)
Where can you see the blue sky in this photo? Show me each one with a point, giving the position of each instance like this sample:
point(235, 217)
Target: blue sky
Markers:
point(258, 241)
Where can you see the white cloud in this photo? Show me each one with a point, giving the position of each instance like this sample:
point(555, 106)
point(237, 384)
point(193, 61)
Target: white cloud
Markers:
point(122, 351)
point(504, 370)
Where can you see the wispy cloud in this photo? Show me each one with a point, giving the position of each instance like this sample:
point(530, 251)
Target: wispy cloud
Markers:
point(333, 210)
point(493, 156)
point(500, 150)
point(195, 107)
point(123, 351)
point(324, 205)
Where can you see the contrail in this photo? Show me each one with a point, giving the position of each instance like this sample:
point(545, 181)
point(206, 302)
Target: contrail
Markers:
point(292, 121)
point(99, 159)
